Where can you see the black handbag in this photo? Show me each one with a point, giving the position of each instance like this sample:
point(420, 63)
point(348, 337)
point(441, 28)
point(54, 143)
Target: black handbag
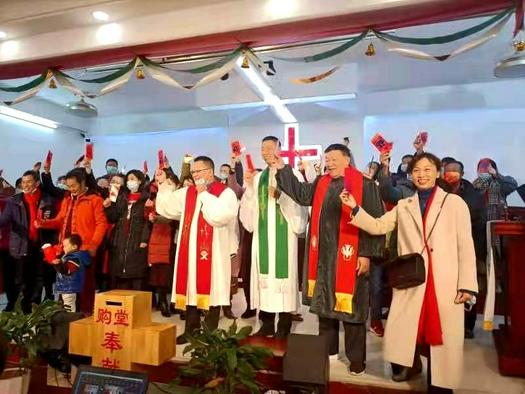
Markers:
point(408, 270)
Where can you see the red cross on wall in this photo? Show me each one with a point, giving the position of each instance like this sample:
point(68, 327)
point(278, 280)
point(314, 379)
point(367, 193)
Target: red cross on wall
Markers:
point(292, 151)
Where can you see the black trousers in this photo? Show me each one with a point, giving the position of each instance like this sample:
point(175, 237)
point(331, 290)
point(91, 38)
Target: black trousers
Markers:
point(30, 277)
point(9, 277)
point(193, 320)
point(355, 338)
point(284, 324)
point(128, 283)
point(246, 265)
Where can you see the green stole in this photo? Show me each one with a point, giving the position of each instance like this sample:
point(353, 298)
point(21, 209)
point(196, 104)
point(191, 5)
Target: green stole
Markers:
point(281, 232)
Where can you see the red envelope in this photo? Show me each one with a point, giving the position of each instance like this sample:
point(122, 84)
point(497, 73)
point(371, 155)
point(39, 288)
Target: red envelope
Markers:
point(89, 151)
point(49, 158)
point(145, 167)
point(382, 145)
point(51, 252)
point(249, 162)
point(160, 156)
point(236, 148)
point(424, 137)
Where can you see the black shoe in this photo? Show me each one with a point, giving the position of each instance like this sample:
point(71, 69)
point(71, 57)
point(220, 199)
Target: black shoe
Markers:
point(227, 310)
point(9, 308)
point(297, 317)
point(249, 313)
point(183, 315)
point(181, 339)
point(281, 335)
point(266, 330)
point(356, 369)
point(164, 309)
point(173, 310)
point(407, 373)
point(469, 334)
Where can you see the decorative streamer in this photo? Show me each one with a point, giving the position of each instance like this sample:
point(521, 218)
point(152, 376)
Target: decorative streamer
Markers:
point(30, 85)
point(449, 37)
point(315, 78)
point(327, 54)
point(416, 54)
point(215, 65)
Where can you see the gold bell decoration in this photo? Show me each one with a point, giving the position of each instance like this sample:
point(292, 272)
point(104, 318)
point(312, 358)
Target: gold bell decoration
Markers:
point(52, 83)
point(371, 50)
point(245, 62)
point(519, 46)
point(139, 73)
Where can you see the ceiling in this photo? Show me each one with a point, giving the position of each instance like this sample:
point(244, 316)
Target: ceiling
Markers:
point(359, 74)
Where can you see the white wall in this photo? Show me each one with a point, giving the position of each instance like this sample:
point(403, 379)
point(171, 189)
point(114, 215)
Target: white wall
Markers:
point(132, 150)
point(23, 144)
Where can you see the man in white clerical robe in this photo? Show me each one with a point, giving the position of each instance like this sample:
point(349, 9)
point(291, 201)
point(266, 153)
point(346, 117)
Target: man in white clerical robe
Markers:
point(202, 270)
point(276, 221)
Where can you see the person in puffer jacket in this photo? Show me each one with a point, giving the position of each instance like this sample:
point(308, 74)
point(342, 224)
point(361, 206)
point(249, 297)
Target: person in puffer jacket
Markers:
point(71, 269)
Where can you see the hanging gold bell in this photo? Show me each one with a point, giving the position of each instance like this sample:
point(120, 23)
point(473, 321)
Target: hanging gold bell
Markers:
point(371, 50)
point(52, 84)
point(245, 62)
point(139, 73)
point(519, 46)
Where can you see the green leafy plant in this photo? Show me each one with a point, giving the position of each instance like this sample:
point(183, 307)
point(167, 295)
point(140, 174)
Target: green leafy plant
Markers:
point(27, 334)
point(220, 364)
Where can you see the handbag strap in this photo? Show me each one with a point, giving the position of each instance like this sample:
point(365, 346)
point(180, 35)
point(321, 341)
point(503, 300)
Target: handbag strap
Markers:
point(435, 222)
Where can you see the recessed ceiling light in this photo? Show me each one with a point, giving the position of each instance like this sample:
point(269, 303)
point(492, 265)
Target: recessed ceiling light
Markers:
point(100, 16)
point(3, 35)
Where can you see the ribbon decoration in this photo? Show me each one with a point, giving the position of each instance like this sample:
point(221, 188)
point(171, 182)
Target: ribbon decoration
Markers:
point(30, 85)
point(327, 54)
point(449, 37)
point(315, 78)
point(416, 54)
point(31, 88)
point(215, 65)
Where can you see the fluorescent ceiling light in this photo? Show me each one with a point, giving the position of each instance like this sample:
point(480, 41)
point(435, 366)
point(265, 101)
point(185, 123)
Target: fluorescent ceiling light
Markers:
point(8, 49)
point(224, 107)
point(109, 34)
point(281, 8)
point(27, 117)
point(100, 16)
point(319, 99)
point(3, 35)
point(265, 92)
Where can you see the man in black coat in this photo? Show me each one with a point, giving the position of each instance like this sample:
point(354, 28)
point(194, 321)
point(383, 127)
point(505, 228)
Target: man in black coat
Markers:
point(453, 176)
point(25, 239)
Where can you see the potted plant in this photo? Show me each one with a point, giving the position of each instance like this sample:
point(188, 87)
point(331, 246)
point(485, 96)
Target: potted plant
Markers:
point(26, 336)
point(220, 363)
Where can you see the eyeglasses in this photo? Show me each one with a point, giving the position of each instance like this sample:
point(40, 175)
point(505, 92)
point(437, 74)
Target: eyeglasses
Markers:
point(193, 172)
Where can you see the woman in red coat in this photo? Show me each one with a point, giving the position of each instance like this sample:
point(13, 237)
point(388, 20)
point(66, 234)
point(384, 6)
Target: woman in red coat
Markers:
point(161, 251)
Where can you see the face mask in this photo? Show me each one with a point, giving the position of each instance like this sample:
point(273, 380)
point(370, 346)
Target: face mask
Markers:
point(223, 176)
point(17, 190)
point(404, 167)
point(200, 182)
point(485, 175)
point(409, 177)
point(62, 186)
point(133, 186)
point(452, 178)
point(112, 170)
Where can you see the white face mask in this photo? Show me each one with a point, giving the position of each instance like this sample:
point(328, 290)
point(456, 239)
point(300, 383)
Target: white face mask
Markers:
point(62, 186)
point(200, 182)
point(133, 186)
point(404, 167)
point(223, 176)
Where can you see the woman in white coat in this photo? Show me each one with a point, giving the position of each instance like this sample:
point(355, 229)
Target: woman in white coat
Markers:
point(428, 319)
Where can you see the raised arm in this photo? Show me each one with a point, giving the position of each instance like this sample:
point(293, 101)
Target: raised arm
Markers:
point(169, 202)
point(301, 192)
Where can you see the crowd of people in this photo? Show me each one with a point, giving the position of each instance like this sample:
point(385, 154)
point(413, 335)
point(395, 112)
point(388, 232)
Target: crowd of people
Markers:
point(195, 235)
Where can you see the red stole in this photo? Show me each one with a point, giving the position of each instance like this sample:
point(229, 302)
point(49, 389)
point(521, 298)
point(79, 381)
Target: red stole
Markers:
point(429, 330)
point(348, 245)
point(32, 200)
point(204, 251)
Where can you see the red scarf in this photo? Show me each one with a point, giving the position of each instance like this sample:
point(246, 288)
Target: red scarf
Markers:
point(32, 200)
point(429, 330)
point(348, 245)
point(204, 250)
